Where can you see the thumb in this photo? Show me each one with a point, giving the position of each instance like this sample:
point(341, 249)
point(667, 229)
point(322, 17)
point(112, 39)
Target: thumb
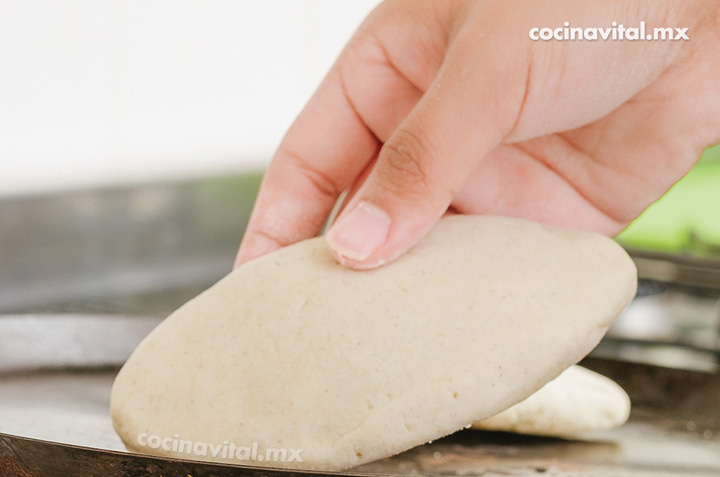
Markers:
point(466, 112)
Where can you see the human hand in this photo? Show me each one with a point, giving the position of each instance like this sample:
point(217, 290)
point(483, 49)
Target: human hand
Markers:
point(449, 105)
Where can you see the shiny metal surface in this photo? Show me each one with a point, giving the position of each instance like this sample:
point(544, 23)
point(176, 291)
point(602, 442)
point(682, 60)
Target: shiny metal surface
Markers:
point(674, 430)
point(32, 342)
point(668, 325)
point(142, 249)
point(84, 275)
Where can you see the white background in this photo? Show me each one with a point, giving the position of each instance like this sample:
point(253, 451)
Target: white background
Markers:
point(96, 92)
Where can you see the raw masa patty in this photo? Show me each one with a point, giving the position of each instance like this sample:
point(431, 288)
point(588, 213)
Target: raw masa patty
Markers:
point(576, 402)
point(295, 361)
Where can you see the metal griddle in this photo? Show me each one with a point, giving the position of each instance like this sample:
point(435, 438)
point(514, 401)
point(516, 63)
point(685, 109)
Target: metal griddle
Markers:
point(54, 420)
point(145, 249)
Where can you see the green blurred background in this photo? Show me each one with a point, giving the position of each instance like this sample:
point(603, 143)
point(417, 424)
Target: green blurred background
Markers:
point(687, 218)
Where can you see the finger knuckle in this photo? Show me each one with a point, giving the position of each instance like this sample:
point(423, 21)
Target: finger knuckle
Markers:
point(406, 159)
point(322, 182)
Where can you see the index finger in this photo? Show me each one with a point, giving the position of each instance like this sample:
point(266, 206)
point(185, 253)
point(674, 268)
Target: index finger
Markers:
point(322, 153)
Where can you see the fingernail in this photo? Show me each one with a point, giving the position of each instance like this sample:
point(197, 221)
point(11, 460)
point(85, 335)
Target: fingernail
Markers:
point(358, 233)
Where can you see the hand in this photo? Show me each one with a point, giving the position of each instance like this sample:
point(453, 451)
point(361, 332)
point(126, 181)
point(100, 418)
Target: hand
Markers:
point(450, 105)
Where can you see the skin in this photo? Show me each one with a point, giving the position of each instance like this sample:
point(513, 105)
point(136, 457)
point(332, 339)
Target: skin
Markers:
point(439, 106)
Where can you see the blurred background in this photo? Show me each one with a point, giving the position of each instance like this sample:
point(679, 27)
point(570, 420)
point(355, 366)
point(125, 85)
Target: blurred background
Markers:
point(118, 91)
point(133, 136)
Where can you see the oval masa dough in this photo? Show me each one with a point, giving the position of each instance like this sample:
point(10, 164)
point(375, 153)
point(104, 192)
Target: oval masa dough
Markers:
point(295, 361)
point(577, 401)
